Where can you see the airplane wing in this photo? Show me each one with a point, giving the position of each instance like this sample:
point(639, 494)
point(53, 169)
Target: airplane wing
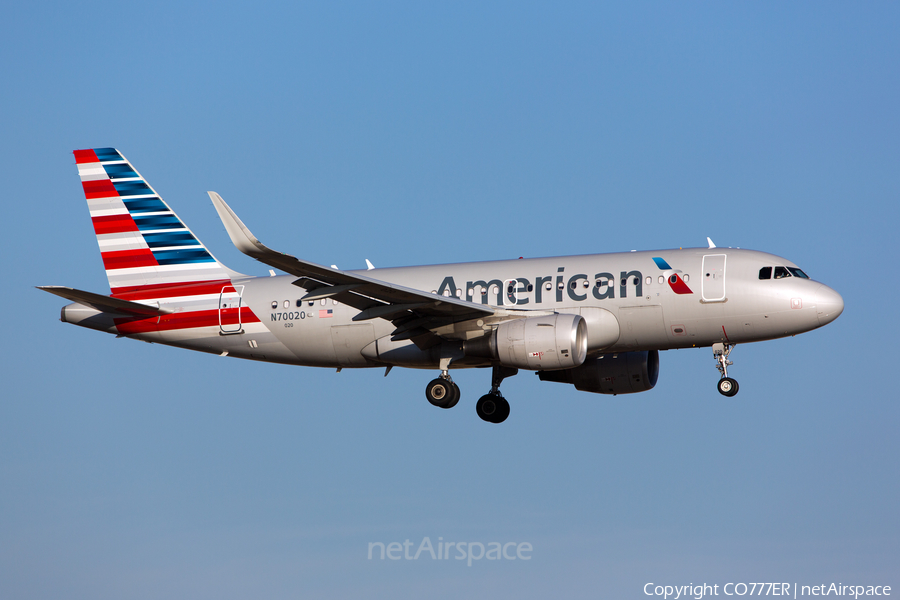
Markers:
point(104, 303)
point(416, 314)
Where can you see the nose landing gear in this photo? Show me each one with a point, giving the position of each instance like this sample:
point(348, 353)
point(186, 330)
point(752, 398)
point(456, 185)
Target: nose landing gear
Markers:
point(726, 386)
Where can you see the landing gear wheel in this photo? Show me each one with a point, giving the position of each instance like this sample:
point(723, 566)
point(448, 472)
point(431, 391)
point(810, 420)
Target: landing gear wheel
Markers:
point(455, 397)
point(492, 408)
point(442, 393)
point(728, 386)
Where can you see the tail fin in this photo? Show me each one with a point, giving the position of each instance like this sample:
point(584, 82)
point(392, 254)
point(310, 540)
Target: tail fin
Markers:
point(144, 245)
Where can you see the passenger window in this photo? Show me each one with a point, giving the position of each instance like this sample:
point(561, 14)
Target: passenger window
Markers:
point(765, 273)
point(798, 273)
point(781, 273)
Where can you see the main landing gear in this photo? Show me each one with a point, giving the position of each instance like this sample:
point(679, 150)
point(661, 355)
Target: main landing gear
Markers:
point(442, 392)
point(493, 407)
point(727, 386)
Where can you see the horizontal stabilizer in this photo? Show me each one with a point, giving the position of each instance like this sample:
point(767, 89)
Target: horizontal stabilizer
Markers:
point(103, 303)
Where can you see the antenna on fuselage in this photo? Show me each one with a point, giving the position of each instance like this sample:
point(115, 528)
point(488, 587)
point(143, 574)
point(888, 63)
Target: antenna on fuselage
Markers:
point(711, 245)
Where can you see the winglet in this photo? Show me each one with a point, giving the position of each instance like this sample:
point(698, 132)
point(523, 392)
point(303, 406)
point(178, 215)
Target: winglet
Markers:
point(711, 245)
point(240, 236)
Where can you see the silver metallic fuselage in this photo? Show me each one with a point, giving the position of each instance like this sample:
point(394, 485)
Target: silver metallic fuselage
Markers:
point(722, 299)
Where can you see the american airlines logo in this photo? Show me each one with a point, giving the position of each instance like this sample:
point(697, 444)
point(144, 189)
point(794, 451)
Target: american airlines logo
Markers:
point(675, 281)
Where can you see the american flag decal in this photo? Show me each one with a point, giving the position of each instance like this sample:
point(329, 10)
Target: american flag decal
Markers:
point(326, 314)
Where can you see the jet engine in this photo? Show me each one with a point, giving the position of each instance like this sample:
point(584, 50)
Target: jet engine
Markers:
point(557, 341)
point(623, 373)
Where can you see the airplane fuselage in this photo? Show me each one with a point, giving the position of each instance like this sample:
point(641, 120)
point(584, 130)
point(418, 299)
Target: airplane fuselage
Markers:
point(719, 298)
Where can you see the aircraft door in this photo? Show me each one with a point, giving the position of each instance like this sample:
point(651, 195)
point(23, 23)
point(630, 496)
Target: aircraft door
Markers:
point(713, 286)
point(230, 309)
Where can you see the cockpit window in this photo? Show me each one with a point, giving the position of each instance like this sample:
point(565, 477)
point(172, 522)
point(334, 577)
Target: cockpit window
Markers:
point(798, 273)
point(765, 273)
point(781, 273)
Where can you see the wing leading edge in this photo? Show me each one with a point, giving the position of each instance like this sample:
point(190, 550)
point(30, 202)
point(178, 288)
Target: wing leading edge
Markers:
point(419, 316)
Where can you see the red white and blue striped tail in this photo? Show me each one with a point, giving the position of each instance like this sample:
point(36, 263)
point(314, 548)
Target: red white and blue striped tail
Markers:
point(146, 248)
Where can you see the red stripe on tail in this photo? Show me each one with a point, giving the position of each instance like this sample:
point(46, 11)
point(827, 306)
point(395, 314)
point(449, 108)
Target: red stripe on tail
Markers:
point(128, 259)
point(113, 224)
point(101, 188)
point(85, 156)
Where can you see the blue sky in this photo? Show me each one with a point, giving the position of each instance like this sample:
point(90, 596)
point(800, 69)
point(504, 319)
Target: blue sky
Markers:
point(411, 133)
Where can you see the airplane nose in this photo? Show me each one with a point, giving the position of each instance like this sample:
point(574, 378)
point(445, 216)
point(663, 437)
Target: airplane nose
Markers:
point(829, 305)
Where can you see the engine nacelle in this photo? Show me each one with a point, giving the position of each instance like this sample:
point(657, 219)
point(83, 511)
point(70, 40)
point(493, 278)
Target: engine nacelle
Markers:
point(623, 373)
point(550, 342)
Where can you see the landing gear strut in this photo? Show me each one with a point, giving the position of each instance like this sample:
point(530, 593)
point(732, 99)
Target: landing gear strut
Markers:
point(493, 407)
point(726, 386)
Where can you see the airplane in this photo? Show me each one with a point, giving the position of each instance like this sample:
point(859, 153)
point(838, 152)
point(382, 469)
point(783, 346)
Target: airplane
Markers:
point(593, 321)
